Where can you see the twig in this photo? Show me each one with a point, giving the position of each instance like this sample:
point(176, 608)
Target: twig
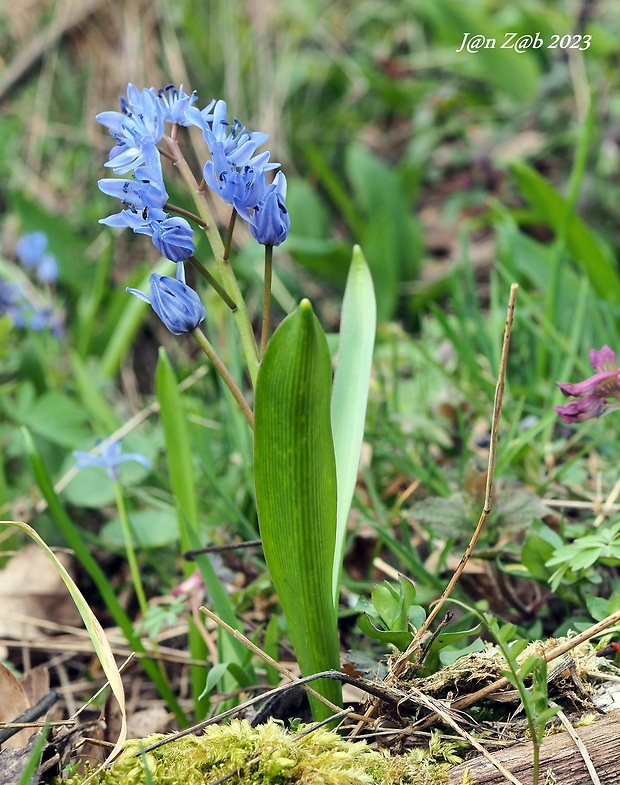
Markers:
point(264, 656)
point(438, 709)
point(233, 546)
point(499, 684)
point(400, 664)
point(583, 751)
point(31, 714)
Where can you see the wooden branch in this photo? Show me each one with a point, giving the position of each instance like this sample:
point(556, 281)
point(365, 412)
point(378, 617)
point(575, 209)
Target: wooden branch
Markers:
point(558, 754)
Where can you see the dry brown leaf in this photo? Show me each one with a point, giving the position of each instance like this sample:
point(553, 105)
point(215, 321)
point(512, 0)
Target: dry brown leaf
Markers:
point(36, 683)
point(13, 702)
point(31, 587)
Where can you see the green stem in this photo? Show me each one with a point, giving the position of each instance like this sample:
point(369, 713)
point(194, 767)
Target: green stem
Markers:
point(264, 337)
point(227, 276)
point(197, 265)
point(131, 553)
point(223, 371)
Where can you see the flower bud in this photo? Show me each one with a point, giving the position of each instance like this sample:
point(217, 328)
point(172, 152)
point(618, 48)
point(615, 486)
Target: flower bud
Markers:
point(270, 221)
point(178, 306)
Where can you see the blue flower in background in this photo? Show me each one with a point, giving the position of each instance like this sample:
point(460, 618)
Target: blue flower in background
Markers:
point(31, 249)
point(109, 458)
point(177, 305)
point(270, 221)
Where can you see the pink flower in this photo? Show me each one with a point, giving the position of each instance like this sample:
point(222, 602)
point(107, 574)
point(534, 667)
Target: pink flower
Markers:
point(596, 389)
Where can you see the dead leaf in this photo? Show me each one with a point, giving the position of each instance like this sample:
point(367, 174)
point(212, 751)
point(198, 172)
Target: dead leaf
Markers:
point(31, 587)
point(13, 702)
point(36, 683)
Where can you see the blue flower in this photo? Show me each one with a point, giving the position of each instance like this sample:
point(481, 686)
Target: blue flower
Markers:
point(31, 249)
point(145, 195)
point(173, 237)
point(137, 127)
point(270, 221)
point(178, 306)
point(109, 458)
point(176, 103)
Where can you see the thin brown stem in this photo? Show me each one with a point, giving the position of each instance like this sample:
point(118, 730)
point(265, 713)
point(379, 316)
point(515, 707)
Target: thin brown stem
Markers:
point(186, 214)
point(229, 235)
point(400, 663)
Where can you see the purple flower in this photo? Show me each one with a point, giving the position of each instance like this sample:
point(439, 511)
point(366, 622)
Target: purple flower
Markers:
point(109, 458)
point(178, 306)
point(596, 389)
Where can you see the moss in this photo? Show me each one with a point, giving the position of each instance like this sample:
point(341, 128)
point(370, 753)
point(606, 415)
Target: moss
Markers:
point(266, 755)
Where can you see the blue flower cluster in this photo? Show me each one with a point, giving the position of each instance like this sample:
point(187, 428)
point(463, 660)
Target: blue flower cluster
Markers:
point(20, 301)
point(234, 171)
point(31, 250)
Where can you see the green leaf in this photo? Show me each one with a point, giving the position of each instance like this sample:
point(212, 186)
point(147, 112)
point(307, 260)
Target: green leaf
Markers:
point(350, 393)
point(178, 447)
point(295, 477)
point(386, 603)
point(400, 639)
point(72, 535)
point(58, 419)
point(180, 467)
point(149, 529)
point(534, 556)
point(592, 256)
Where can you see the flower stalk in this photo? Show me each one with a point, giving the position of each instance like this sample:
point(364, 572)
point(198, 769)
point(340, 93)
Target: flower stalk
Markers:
point(223, 371)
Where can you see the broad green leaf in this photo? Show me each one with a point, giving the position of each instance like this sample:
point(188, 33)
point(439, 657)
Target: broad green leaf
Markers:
point(534, 556)
point(400, 639)
point(58, 419)
point(149, 528)
point(386, 602)
point(295, 477)
point(350, 392)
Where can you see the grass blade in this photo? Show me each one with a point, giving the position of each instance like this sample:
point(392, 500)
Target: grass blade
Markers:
point(95, 631)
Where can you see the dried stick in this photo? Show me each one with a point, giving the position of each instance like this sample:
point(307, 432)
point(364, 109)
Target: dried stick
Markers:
point(400, 664)
point(499, 684)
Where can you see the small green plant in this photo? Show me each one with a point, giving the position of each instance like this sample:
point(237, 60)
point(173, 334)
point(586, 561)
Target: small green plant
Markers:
point(307, 432)
point(393, 619)
point(535, 699)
